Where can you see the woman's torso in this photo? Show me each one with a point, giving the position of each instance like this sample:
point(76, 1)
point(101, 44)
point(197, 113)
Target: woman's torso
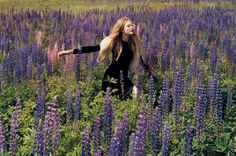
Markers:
point(123, 61)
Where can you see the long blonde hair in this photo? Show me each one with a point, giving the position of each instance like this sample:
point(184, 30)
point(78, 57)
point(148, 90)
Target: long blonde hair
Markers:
point(113, 41)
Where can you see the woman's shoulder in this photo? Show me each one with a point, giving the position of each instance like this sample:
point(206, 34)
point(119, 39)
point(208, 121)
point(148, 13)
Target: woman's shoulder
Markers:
point(105, 41)
point(105, 48)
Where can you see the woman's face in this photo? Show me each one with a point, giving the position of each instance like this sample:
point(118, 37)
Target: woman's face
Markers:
point(128, 28)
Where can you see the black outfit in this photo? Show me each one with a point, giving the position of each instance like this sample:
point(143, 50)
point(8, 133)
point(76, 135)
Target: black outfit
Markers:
point(113, 71)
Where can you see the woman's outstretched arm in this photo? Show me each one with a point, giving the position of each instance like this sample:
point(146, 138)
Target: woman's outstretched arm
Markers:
point(80, 50)
point(86, 49)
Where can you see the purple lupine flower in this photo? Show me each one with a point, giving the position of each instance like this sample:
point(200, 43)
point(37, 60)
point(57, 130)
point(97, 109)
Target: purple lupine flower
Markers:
point(16, 63)
point(213, 57)
point(51, 129)
point(131, 144)
point(151, 96)
point(29, 68)
point(123, 139)
point(193, 59)
point(113, 150)
point(67, 40)
point(201, 101)
point(23, 61)
point(165, 149)
point(174, 30)
point(200, 79)
point(1, 76)
point(77, 68)
point(226, 41)
point(229, 97)
point(181, 76)
point(1, 71)
point(49, 68)
point(218, 104)
point(148, 53)
point(56, 131)
point(73, 34)
point(173, 59)
point(230, 53)
point(40, 69)
point(17, 73)
point(119, 141)
point(93, 61)
point(176, 100)
point(173, 50)
point(182, 47)
point(107, 117)
point(188, 80)
point(77, 105)
point(152, 58)
point(234, 58)
point(164, 97)
point(69, 106)
point(40, 104)
point(154, 129)
point(24, 32)
point(34, 55)
point(2, 42)
point(165, 59)
point(38, 139)
point(15, 125)
point(130, 75)
point(97, 133)
point(122, 84)
point(140, 134)
point(86, 143)
point(123, 134)
point(2, 136)
point(139, 81)
point(188, 141)
point(8, 66)
point(211, 95)
point(98, 152)
point(202, 53)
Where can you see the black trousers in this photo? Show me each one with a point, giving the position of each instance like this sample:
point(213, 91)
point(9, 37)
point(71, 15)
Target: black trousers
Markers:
point(122, 88)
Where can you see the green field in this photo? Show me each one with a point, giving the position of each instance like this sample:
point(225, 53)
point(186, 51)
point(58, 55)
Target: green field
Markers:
point(83, 5)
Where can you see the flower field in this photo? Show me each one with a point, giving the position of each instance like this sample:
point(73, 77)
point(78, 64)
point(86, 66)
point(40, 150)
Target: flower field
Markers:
point(55, 106)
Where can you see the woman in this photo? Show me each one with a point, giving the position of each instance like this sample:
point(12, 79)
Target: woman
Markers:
point(126, 48)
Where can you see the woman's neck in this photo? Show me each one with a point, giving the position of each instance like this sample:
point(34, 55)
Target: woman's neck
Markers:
point(125, 37)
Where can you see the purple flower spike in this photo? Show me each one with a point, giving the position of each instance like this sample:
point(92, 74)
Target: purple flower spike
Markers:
point(165, 149)
point(86, 143)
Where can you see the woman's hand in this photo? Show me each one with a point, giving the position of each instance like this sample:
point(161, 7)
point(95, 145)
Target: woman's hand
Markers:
point(59, 54)
point(64, 52)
